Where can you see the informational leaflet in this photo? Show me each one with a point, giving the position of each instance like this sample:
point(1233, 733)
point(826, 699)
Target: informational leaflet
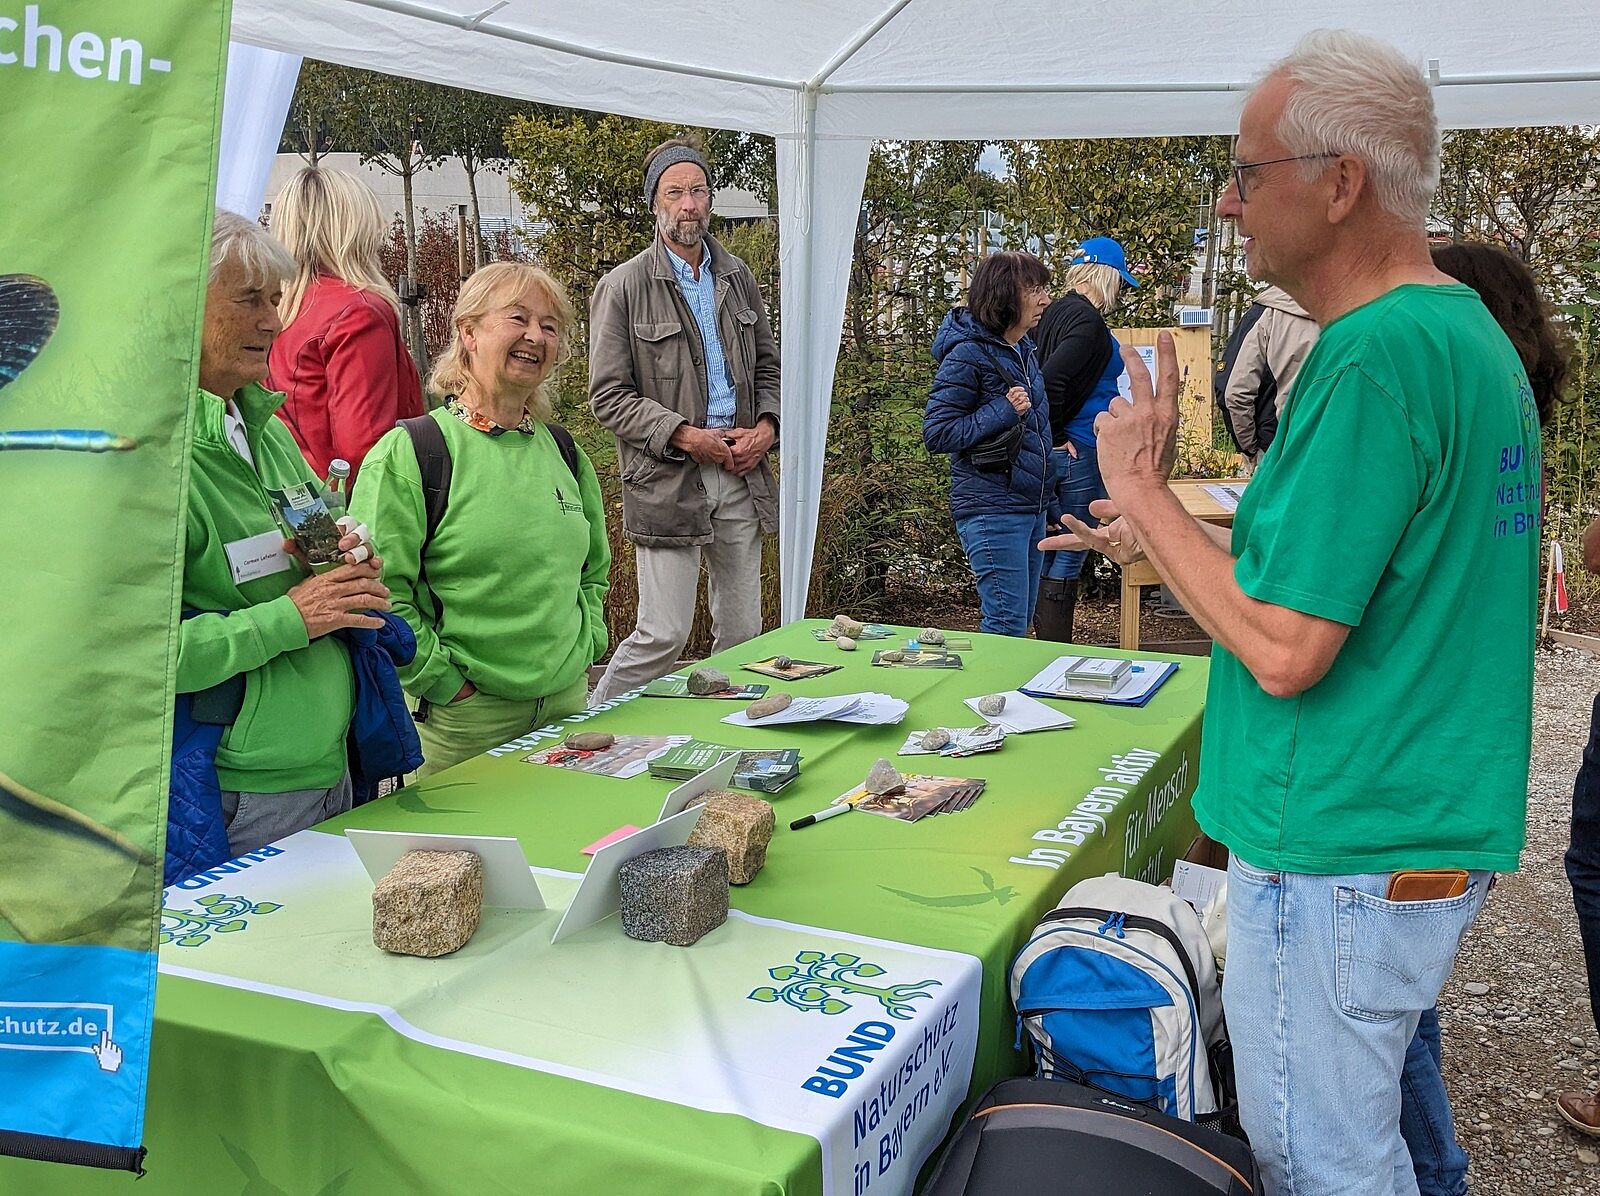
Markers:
point(1227, 497)
point(1022, 714)
point(870, 708)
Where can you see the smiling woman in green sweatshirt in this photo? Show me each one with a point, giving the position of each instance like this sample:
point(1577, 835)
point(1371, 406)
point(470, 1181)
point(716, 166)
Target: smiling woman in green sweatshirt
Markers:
point(507, 597)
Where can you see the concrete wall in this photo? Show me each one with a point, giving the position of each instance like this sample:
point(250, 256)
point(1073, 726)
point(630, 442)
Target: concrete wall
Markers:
point(444, 186)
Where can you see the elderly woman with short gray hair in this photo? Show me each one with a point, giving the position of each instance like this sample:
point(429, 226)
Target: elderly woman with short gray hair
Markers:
point(255, 636)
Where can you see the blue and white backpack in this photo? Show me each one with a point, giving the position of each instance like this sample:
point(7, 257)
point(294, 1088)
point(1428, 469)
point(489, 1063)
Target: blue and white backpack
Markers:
point(1118, 990)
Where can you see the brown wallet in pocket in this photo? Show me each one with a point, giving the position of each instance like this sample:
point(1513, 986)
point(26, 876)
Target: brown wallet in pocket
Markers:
point(1427, 884)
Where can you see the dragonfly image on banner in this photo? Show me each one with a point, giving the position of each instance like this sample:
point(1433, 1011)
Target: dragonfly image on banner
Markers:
point(29, 313)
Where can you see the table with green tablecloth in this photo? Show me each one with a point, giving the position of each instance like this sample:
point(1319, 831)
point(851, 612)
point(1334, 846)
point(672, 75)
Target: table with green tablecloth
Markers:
point(818, 1041)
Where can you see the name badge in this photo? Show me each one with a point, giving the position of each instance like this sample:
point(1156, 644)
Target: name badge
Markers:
point(257, 556)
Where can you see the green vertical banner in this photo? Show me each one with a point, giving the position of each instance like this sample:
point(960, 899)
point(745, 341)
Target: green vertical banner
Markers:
point(108, 140)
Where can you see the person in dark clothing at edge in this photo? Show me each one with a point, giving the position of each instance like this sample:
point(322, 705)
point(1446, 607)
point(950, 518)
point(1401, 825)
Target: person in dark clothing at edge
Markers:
point(1079, 360)
point(987, 409)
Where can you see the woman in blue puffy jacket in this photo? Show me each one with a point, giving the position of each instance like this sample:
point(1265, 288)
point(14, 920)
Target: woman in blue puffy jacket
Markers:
point(988, 410)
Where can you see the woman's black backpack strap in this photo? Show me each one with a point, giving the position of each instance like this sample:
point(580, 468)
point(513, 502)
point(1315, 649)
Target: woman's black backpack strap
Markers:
point(433, 461)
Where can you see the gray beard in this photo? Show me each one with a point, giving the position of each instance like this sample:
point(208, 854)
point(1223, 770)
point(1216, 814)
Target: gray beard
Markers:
point(679, 234)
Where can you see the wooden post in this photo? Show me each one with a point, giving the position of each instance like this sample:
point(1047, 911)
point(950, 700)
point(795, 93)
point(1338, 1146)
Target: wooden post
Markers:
point(462, 270)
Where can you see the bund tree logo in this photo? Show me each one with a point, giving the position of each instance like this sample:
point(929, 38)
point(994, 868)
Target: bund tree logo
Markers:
point(823, 982)
point(218, 915)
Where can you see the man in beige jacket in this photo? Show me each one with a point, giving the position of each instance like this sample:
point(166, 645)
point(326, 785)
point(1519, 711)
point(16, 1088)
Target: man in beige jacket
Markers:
point(1263, 356)
point(683, 370)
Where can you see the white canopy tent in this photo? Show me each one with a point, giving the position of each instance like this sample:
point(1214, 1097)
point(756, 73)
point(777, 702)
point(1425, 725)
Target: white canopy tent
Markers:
point(828, 77)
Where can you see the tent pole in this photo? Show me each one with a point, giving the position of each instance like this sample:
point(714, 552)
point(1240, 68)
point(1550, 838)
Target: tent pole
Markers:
point(800, 541)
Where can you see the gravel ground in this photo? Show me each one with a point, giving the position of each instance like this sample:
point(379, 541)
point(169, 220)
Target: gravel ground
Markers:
point(1515, 1014)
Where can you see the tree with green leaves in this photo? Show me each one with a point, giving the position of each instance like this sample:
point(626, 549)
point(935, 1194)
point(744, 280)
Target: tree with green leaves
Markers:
point(470, 126)
point(1150, 193)
point(320, 117)
point(1530, 190)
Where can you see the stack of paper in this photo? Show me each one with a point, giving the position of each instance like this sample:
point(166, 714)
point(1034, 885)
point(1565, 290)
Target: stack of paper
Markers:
point(964, 741)
point(766, 769)
point(920, 797)
point(869, 708)
point(1135, 688)
point(1023, 714)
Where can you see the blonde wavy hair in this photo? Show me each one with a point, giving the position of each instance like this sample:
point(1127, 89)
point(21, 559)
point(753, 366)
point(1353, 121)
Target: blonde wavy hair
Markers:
point(331, 222)
point(492, 287)
point(1100, 284)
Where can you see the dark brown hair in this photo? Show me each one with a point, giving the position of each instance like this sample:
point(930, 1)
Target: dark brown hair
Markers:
point(1506, 286)
point(995, 296)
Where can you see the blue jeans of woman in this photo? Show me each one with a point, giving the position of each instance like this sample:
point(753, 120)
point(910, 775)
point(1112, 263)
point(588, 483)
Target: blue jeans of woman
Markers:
point(1077, 485)
point(1583, 857)
point(1426, 1124)
point(1004, 553)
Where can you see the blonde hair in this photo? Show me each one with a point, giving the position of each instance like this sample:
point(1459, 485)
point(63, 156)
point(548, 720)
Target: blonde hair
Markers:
point(265, 262)
point(1357, 95)
point(491, 287)
point(1100, 284)
point(331, 222)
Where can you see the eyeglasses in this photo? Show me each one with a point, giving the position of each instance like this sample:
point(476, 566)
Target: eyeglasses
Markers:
point(1036, 292)
point(676, 194)
point(1239, 168)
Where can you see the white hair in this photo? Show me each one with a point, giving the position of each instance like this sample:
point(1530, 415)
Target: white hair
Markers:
point(265, 261)
point(1357, 95)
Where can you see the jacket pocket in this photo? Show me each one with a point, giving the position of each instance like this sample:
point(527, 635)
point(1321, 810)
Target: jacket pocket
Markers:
point(636, 467)
point(661, 349)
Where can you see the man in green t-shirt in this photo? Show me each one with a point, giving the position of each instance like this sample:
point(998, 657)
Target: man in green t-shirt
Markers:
point(1369, 712)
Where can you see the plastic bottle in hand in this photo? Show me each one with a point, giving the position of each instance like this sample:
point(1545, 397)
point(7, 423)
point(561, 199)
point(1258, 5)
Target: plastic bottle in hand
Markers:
point(336, 490)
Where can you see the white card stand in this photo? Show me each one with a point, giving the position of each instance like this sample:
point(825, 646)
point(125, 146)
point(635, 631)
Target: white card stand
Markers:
point(507, 882)
point(718, 776)
point(600, 895)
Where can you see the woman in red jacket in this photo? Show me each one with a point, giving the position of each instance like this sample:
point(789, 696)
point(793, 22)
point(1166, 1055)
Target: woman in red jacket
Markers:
point(340, 359)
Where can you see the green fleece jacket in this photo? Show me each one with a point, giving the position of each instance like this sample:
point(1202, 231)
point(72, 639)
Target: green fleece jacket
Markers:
point(299, 694)
point(517, 573)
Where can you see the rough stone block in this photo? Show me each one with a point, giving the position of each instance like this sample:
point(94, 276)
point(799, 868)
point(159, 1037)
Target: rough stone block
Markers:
point(707, 681)
point(739, 825)
point(429, 903)
point(674, 895)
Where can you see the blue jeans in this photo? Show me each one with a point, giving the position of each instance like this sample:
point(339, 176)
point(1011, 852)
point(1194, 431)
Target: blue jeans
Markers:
point(1005, 557)
point(1425, 1120)
point(1077, 485)
point(1583, 857)
point(1326, 984)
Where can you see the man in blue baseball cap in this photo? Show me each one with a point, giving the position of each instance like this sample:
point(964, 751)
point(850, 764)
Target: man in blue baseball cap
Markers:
point(1105, 251)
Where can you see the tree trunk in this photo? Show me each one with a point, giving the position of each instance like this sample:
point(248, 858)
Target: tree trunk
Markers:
point(476, 231)
point(414, 310)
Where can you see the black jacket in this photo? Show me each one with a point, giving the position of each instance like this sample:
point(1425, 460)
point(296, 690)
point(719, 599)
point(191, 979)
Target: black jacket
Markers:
point(1074, 346)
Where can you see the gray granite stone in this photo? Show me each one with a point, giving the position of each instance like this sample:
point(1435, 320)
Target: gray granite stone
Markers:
point(674, 895)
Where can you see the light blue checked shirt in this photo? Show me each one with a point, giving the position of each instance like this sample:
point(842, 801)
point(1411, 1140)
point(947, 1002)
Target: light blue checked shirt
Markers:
point(701, 297)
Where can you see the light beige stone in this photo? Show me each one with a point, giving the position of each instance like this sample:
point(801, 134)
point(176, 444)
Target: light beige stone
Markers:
point(884, 778)
point(770, 704)
point(739, 825)
point(429, 903)
point(845, 644)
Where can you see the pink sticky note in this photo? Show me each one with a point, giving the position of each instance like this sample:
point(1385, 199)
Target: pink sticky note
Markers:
point(622, 832)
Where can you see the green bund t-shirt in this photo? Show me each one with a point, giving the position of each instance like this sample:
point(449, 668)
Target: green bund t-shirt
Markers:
point(1401, 497)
